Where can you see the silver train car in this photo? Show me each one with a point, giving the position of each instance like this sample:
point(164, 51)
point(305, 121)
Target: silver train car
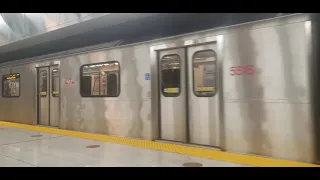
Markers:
point(247, 88)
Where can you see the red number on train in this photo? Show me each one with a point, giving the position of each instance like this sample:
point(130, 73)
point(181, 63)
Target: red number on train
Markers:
point(241, 70)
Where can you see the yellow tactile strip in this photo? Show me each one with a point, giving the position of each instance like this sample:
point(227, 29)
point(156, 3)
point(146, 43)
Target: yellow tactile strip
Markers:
point(187, 150)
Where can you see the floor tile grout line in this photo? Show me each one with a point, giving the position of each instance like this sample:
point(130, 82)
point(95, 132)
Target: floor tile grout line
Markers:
point(17, 159)
point(30, 141)
point(125, 144)
point(238, 158)
point(27, 142)
point(141, 147)
point(52, 138)
point(113, 144)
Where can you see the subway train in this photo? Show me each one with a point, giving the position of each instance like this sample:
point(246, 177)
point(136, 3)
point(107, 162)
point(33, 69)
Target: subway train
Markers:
point(248, 88)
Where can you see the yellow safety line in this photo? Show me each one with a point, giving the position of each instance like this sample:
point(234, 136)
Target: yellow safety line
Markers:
point(174, 148)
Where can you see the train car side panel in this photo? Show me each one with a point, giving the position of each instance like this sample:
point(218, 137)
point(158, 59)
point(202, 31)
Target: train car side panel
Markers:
point(5, 103)
point(23, 108)
point(125, 115)
point(266, 90)
point(19, 106)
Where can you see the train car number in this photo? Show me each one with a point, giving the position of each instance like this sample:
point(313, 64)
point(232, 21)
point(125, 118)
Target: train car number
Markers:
point(241, 70)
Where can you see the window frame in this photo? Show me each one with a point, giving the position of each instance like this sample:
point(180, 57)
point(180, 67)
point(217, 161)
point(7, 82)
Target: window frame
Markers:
point(99, 96)
point(161, 77)
point(44, 70)
point(2, 86)
point(216, 70)
point(52, 80)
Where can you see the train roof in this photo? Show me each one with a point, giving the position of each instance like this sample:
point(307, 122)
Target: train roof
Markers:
point(149, 28)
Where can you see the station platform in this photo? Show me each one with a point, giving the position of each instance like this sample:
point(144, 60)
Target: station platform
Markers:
point(37, 146)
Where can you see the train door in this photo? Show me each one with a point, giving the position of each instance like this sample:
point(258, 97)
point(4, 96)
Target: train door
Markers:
point(48, 96)
point(173, 95)
point(189, 97)
point(203, 95)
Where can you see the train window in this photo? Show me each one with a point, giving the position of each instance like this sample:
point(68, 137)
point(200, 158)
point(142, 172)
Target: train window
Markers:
point(11, 85)
point(55, 82)
point(170, 75)
point(204, 73)
point(100, 80)
point(43, 83)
